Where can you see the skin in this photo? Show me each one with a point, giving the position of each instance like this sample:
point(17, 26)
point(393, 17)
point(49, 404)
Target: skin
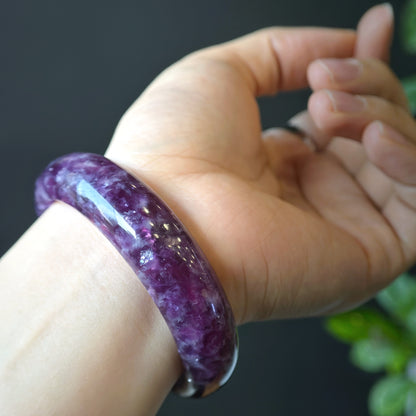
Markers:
point(79, 335)
point(292, 227)
point(290, 231)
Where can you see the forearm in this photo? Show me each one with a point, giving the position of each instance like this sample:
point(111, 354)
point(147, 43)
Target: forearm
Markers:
point(79, 333)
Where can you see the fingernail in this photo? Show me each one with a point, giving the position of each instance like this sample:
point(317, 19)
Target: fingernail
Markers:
point(299, 121)
point(390, 133)
point(307, 129)
point(343, 102)
point(342, 70)
point(389, 7)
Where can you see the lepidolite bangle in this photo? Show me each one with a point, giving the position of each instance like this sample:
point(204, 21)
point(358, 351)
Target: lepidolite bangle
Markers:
point(163, 255)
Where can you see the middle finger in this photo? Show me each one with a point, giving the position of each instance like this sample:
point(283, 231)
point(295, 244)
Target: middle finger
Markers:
point(338, 113)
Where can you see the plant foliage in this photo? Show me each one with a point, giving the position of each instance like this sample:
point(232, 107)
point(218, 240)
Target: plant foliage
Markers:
point(384, 341)
point(408, 27)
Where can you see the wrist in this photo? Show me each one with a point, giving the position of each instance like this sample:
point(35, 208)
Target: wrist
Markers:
point(161, 253)
point(88, 336)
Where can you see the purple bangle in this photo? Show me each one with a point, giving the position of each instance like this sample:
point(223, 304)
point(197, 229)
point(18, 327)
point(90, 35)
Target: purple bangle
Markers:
point(163, 255)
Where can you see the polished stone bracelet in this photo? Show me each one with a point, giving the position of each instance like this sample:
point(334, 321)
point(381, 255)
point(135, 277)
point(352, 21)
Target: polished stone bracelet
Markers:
point(163, 255)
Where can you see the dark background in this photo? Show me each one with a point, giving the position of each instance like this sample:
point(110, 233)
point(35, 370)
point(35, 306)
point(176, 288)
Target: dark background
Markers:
point(68, 72)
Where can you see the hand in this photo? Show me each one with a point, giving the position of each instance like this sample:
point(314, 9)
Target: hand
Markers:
point(287, 229)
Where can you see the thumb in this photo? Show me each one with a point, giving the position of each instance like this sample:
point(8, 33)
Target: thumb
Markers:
point(375, 33)
point(276, 59)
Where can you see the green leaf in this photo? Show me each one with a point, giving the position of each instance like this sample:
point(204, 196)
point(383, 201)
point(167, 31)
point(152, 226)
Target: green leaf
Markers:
point(360, 324)
point(411, 402)
point(409, 85)
point(388, 396)
point(411, 319)
point(377, 354)
point(372, 355)
point(408, 27)
point(399, 299)
point(398, 360)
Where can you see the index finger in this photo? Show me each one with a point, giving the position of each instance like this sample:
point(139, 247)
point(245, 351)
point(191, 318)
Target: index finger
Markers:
point(276, 59)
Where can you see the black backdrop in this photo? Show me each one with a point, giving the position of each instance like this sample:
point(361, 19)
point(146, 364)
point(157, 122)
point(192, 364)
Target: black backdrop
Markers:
point(68, 72)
